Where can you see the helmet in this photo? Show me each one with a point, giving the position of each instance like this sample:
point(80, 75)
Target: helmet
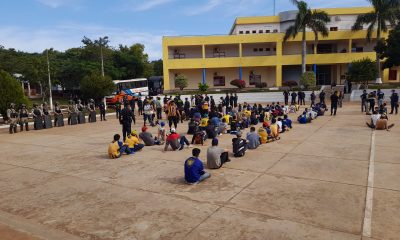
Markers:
point(56, 103)
point(23, 105)
point(12, 105)
point(91, 100)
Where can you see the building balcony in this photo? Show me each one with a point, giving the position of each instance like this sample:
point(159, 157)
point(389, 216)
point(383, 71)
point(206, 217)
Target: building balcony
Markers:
point(327, 58)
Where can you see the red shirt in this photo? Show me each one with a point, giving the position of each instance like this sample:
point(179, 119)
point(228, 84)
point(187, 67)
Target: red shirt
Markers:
point(173, 136)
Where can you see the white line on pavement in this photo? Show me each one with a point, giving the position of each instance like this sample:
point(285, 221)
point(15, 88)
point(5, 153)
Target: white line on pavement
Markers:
point(370, 190)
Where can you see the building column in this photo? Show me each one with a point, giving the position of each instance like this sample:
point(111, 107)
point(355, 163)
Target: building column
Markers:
point(350, 45)
point(278, 76)
point(240, 73)
point(385, 75)
point(204, 79)
point(240, 50)
point(165, 67)
point(203, 51)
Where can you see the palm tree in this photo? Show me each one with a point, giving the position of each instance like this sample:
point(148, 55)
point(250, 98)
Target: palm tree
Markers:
point(384, 12)
point(306, 18)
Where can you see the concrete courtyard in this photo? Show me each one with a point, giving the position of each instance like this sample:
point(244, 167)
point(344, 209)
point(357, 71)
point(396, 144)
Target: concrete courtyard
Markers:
point(332, 179)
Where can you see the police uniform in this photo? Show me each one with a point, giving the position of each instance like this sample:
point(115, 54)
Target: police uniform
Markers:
point(72, 114)
point(58, 116)
point(125, 118)
point(46, 116)
point(12, 117)
point(23, 118)
point(92, 111)
point(81, 114)
point(37, 117)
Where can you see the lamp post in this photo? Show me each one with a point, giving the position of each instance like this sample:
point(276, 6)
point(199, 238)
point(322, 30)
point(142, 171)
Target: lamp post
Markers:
point(48, 72)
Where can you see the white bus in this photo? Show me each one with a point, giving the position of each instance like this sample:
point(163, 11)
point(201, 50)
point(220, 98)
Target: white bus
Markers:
point(132, 87)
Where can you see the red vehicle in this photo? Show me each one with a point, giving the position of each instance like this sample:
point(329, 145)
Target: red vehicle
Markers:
point(129, 89)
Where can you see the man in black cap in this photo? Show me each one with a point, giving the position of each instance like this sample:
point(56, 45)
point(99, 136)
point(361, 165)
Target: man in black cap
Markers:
point(394, 102)
point(125, 119)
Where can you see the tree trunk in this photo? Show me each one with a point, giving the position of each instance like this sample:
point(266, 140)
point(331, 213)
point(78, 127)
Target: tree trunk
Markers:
point(378, 60)
point(303, 52)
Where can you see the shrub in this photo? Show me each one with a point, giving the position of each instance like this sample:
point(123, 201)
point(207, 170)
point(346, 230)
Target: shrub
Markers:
point(238, 83)
point(203, 87)
point(181, 82)
point(10, 92)
point(308, 79)
point(261, 85)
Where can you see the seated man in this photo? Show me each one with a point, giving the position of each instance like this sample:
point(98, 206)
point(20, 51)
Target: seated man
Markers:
point(215, 121)
point(216, 156)
point(161, 132)
point(204, 122)
point(176, 141)
point(148, 138)
point(287, 122)
point(374, 119)
point(193, 127)
point(234, 125)
point(194, 169)
point(116, 148)
point(382, 124)
point(274, 129)
point(223, 127)
point(239, 145)
point(133, 142)
point(302, 119)
point(282, 128)
point(263, 134)
point(253, 140)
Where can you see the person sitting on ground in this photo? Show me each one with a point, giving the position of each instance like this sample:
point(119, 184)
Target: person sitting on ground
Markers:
point(253, 119)
point(116, 148)
point(274, 129)
point(282, 128)
point(193, 127)
point(215, 121)
point(239, 145)
point(223, 127)
point(176, 141)
point(194, 169)
point(234, 125)
point(253, 140)
point(382, 123)
point(148, 138)
point(216, 156)
point(287, 122)
point(263, 134)
point(161, 132)
point(204, 122)
point(133, 142)
point(302, 119)
point(211, 131)
point(374, 119)
point(383, 109)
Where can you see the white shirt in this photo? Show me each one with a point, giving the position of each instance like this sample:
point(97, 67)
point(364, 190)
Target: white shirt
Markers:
point(375, 118)
point(279, 123)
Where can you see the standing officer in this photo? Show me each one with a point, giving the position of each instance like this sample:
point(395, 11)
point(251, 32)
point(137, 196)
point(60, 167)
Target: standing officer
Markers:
point(102, 109)
point(37, 117)
point(286, 96)
point(23, 118)
point(12, 117)
point(394, 102)
point(125, 119)
point(58, 116)
point(380, 96)
point(312, 98)
point(334, 102)
point(364, 101)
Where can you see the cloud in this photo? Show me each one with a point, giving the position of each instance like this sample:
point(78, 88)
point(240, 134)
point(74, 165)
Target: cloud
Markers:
point(207, 7)
point(149, 4)
point(68, 35)
point(60, 3)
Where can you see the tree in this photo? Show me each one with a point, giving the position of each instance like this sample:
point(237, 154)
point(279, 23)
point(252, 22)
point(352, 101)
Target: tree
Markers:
point(101, 43)
point(308, 79)
point(238, 83)
point(10, 92)
point(363, 71)
point(307, 18)
point(181, 81)
point(158, 67)
point(96, 86)
point(203, 87)
point(385, 11)
point(390, 49)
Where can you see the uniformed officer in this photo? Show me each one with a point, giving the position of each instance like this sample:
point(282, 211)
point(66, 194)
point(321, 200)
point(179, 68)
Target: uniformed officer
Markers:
point(37, 117)
point(23, 118)
point(12, 117)
point(125, 119)
point(46, 116)
point(58, 116)
point(81, 114)
point(92, 111)
point(72, 113)
point(102, 109)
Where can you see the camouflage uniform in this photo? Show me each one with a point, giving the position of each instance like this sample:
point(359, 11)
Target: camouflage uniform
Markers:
point(23, 118)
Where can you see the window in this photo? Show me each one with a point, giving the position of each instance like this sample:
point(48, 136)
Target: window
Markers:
point(261, 49)
point(254, 31)
point(333, 29)
point(255, 49)
point(267, 31)
point(260, 31)
point(247, 32)
point(268, 49)
point(274, 49)
point(219, 81)
point(392, 75)
point(240, 32)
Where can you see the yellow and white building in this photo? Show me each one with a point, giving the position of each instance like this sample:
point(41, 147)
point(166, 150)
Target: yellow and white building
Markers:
point(255, 52)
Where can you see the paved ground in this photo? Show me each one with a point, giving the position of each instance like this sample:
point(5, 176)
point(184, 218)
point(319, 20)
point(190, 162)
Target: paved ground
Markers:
point(59, 184)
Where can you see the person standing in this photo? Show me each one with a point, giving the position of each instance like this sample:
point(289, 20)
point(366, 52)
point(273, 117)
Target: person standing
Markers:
point(364, 101)
point(173, 114)
point(186, 108)
point(294, 96)
point(23, 118)
point(334, 103)
point(125, 119)
point(132, 103)
point(140, 106)
point(159, 108)
point(12, 117)
point(102, 109)
point(148, 113)
point(299, 97)
point(118, 108)
point(341, 97)
point(381, 97)
point(235, 101)
point(322, 97)
point(286, 96)
point(394, 102)
point(371, 100)
point(312, 98)
point(227, 100)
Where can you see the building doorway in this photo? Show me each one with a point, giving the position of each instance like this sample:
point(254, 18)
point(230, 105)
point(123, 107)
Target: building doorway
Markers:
point(324, 75)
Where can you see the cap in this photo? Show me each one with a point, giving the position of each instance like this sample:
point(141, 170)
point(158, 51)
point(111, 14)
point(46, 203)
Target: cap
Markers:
point(134, 132)
point(162, 124)
point(144, 128)
point(214, 142)
point(173, 130)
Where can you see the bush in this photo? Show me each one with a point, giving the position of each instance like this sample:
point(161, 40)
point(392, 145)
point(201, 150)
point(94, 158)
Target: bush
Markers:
point(96, 86)
point(238, 83)
point(289, 83)
point(10, 92)
point(203, 87)
point(261, 85)
point(181, 82)
point(308, 79)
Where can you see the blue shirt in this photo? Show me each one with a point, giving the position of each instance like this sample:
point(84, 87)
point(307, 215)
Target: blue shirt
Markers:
point(303, 119)
point(253, 140)
point(287, 123)
point(193, 170)
point(215, 121)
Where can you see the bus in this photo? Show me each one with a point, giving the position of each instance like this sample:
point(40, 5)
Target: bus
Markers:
point(132, 88)
point(156, 85)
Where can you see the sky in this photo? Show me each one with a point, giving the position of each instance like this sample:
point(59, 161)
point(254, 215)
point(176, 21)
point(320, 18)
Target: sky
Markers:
point(35, 25)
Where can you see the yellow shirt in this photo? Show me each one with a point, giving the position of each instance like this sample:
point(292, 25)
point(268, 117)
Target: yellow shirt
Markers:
point(263, 135)
point(247, 113)
point(131, 141)
point(227, 118)
point(113, 150)
point(205, 106)
point(204, 122)
point(274, 129)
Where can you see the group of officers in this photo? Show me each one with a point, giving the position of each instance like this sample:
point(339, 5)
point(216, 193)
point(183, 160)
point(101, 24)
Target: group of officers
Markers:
point(369, 101)
point(42, 117)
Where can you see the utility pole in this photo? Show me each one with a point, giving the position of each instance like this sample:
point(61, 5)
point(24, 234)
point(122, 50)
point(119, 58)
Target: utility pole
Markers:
point(48, 71)
point(102, 60)
point(274, 7)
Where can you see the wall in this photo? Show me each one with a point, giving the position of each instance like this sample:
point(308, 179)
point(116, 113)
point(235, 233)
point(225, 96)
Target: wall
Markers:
point(291, 73)
point(256, 27)
point(248, 49)
point(229, 73)
point(189, 51)
point(194, 77)
point(231, 50)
